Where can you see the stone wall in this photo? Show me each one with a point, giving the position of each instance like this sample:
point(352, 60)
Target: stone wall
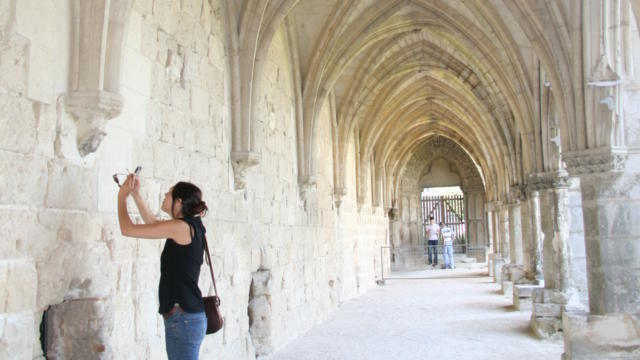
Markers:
point(62, 248)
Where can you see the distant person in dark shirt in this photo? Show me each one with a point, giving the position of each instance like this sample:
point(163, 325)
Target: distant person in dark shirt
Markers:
point(432, 235)
point(181, 302)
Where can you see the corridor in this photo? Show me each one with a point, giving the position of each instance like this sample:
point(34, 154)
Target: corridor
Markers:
point(446, 314)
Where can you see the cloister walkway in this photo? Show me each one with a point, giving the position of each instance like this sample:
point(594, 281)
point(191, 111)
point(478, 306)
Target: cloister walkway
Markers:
point(439, 314)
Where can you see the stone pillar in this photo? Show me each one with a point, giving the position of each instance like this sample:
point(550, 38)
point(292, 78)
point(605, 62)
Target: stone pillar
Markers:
point(504, 233)
point(515, 232)
point(536, 237)
point(560, 280)
point(490, 239)
point(611, 211)
point(513, 272)
point(523, 276)
point(495, 258)
point(475, 235)
point(528, 253)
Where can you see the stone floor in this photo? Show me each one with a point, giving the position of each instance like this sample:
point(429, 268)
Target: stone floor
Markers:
point(432, 314)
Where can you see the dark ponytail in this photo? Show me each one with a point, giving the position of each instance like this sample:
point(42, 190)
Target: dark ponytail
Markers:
point(191, 197)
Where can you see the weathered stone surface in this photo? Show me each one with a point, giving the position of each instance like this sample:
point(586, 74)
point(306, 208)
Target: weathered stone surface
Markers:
point(598, 337)
point(18, 286)
point(547, 310)
point(16, 336)
point(69, 187)
point(23, 190)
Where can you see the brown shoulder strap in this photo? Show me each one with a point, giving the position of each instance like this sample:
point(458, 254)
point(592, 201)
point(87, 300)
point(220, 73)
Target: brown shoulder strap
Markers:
point(206, 249)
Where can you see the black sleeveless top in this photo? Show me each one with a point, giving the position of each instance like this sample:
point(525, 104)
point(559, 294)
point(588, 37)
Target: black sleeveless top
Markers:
point(180, 269)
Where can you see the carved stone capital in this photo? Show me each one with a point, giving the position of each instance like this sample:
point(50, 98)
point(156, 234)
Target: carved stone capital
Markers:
point(492, 206)
point(516, 194)
point(241, 162)
point(548, 180)
point(595, 161)
point(91, 110)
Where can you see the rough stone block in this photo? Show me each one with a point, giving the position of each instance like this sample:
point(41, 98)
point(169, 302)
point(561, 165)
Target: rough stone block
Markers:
point(69, 186)
point(165, 12)
point(23, 179)
point(40, 80)
point(507, 288)
point(547, 310)
point(137, 73)
point(17, 124)
point(5, 13)
point(13, 64)
point(16, 336)
point(600, 337)
point(497, 270)
point(546, 327)
point(522, 296)
point(80, 329)
point(522, 303)
point(18, 286)
point(199, 103)
point(34, 21)
point(523, 290)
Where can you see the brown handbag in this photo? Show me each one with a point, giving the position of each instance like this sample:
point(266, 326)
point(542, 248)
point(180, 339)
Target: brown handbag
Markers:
point(212, 303)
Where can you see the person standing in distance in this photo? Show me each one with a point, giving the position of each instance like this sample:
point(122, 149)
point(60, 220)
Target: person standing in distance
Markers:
point(432, 235)
point(447, 248)
point(181, 305)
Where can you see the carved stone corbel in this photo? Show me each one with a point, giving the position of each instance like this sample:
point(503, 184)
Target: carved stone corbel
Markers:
point(338, 196)
point(241, 162)
point(91, 110)
point(96, 65)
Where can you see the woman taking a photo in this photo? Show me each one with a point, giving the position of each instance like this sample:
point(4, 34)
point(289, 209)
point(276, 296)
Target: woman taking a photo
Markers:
point(180, 298)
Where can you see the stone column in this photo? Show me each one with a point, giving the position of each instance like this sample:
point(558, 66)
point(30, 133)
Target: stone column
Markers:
point(536, 237)
point(560, 280)
point(490, 239)
point(515, 229)
point(502, 218)
point(528, 253)
point(476, 237)
point(513, 272)
point(527, 277)
point(493, 224)
point(504, 233)
point(610, 184)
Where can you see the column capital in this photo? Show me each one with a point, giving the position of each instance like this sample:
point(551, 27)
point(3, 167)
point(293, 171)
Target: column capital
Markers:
point(548, 180)
point(516, 194)
point(593, 161)
point(492, 206)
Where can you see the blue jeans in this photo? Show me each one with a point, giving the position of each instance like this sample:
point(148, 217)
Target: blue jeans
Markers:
point(447, 253)
point(433, 250)
point(183, 334)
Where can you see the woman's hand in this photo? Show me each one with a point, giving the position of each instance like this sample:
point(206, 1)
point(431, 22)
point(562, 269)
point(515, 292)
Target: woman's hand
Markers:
point(131, 185)
point(136, 185)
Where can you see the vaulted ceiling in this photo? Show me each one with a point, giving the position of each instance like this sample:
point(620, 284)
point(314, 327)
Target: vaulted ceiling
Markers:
point(399, 72)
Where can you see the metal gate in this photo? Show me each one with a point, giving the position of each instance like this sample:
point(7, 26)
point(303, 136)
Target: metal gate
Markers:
point(450, 210)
